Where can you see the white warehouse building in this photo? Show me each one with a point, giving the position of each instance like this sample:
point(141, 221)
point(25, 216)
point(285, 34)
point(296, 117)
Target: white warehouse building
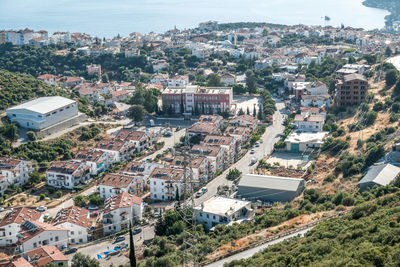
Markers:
point(43, 112)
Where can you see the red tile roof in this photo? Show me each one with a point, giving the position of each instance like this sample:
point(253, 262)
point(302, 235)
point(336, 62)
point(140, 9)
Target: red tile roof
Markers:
point(45, 255)
point(19, 215)
point(122, 200)
point(74, 215)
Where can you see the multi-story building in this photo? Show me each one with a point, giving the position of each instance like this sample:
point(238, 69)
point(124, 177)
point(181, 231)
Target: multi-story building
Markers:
point(242, 134)
point(179, 81)
point(120, 150)
point(309, 123)
point(215, 155)
point(98, 160)
point(165, 182)
point(14, 172)
point(245, 121)
point(67, 174)
point(227, 143)
point(197, 100)
point(10, 225)
point(116, 183)
point(141, 139)
point(77, 221)
point(228, 79)
point(93, 69)
point(121, 210)
point(351, 90)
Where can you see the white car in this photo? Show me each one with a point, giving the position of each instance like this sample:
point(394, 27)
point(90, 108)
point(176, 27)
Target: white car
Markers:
point(41, 208)
point(252, 151)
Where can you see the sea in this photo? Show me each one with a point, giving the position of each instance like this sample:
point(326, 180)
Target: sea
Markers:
point(108, 18)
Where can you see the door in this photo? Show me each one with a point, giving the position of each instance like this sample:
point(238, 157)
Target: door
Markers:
point(295, 148)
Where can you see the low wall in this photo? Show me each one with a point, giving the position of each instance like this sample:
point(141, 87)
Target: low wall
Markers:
point(61, 125)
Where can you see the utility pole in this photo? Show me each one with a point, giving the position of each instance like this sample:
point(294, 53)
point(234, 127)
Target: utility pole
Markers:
point(187, 211)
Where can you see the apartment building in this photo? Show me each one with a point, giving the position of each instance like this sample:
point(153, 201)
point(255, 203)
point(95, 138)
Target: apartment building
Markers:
point(116, 183)
point(67, 174)
point(351, 90)
point(165, 182)
point(197, 100)
point(14, 172)
point(121, 210)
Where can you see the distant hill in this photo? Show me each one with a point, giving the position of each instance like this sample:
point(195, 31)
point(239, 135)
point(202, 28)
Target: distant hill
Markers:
point(393, 6)
point(16, 88)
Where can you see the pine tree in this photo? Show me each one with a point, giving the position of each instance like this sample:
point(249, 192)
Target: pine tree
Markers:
point(132, 257)
point(248, 111)
point(241, 112)
point(254, 112)
point(177, 197)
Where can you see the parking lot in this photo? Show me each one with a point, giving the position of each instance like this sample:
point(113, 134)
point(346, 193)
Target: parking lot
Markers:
point(247, 101)
point(289, 160)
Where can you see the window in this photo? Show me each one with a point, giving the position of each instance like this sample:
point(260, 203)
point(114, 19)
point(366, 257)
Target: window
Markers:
point(72, 240)
point(72, 232)
point(34, 245)
point(56, 238)
point(201, 214)
point(80, 240)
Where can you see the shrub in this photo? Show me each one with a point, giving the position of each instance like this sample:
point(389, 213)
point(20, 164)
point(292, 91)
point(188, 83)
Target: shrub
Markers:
point(31, 135)
point(42, 196)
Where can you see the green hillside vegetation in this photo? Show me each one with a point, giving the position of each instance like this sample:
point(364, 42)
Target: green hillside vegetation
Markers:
point(17, 87)
point(33, 60)
point(367, 236)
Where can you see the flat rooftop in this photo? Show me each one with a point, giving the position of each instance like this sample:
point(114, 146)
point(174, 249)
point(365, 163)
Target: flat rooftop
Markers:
point(197, 89)
point(304, 137)
point(44, 105)
point(221, 205)
point(270, 182)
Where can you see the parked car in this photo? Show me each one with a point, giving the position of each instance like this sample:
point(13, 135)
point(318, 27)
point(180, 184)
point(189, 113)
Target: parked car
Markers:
point(257, 144)
point(1, 208)
point(252, 151)
point(119, 239)
point(137, 231)
point(204, 190)
point(199, 194)
point(70, 251)
point(253, 160)
point(41, 208)
point(178, 128)
point(261, 141)
point(93, 207)
point(120, 246)
point(152, 124)
point(167, 134)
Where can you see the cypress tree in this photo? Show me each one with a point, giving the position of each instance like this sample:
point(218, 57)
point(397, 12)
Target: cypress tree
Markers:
point(132, 257)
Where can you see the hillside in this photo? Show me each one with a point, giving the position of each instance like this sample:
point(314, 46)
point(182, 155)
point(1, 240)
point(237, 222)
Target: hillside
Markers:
point(368, 236)
point(17, 87)
point(393, 6)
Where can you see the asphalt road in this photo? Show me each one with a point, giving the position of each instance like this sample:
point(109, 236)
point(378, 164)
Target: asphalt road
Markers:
point(269, 138)
point(94, 249)
point(250, 252)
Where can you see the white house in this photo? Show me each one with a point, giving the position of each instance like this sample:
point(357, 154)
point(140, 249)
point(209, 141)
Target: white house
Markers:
point(43, 112)
point(120, 210)
point(67, 174)
point(48, 78)
point(77, 221)
point(179, 81)
point(14, 172)
point(116, 183)
point(228, 79)
point(301, 141)
point(222, 210)
point(36, 234)
point(315, 100)
point(309, 123)
point(165, 182)
point(10, 225)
